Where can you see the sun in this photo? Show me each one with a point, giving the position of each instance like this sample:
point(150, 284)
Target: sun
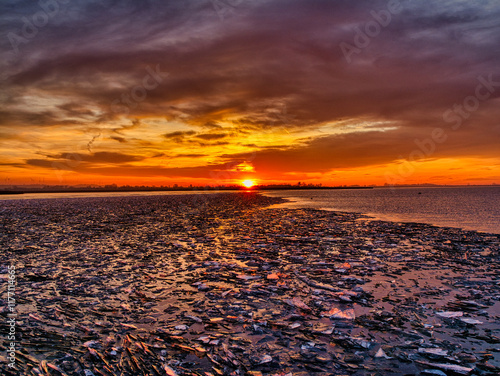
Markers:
point(248, 183)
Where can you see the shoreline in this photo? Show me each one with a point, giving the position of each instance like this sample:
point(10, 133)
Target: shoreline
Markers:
point(296, 200)
point(225, 284)
point(175, 190)
point(377, 217)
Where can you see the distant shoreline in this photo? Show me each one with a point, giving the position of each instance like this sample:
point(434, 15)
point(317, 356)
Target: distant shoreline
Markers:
point(155, 189)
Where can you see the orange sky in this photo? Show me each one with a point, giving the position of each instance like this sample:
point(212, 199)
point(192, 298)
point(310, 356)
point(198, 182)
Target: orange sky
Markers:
point(279, 92)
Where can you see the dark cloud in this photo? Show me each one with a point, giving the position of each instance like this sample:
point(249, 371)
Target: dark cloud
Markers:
point(44, 163)
point(98, 157)
point(211, 136)
point(191, 155)
point(75, 110)
point(211, 125)
point(217, 143)
point(20, 118)
point(121, 140)
point(215, 171)
point(18, 165)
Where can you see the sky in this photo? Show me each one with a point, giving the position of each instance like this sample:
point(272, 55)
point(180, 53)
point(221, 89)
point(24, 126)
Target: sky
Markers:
point(332, 92)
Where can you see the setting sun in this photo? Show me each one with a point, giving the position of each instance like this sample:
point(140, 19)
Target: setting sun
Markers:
point(248, 183)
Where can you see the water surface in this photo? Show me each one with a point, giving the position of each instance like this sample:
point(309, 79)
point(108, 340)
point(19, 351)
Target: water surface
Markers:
point(469, 208)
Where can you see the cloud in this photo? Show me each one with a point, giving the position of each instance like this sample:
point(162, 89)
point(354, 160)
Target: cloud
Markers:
point(191, 155)
point(179, 134)
point(94, 158)
point(363, 149)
